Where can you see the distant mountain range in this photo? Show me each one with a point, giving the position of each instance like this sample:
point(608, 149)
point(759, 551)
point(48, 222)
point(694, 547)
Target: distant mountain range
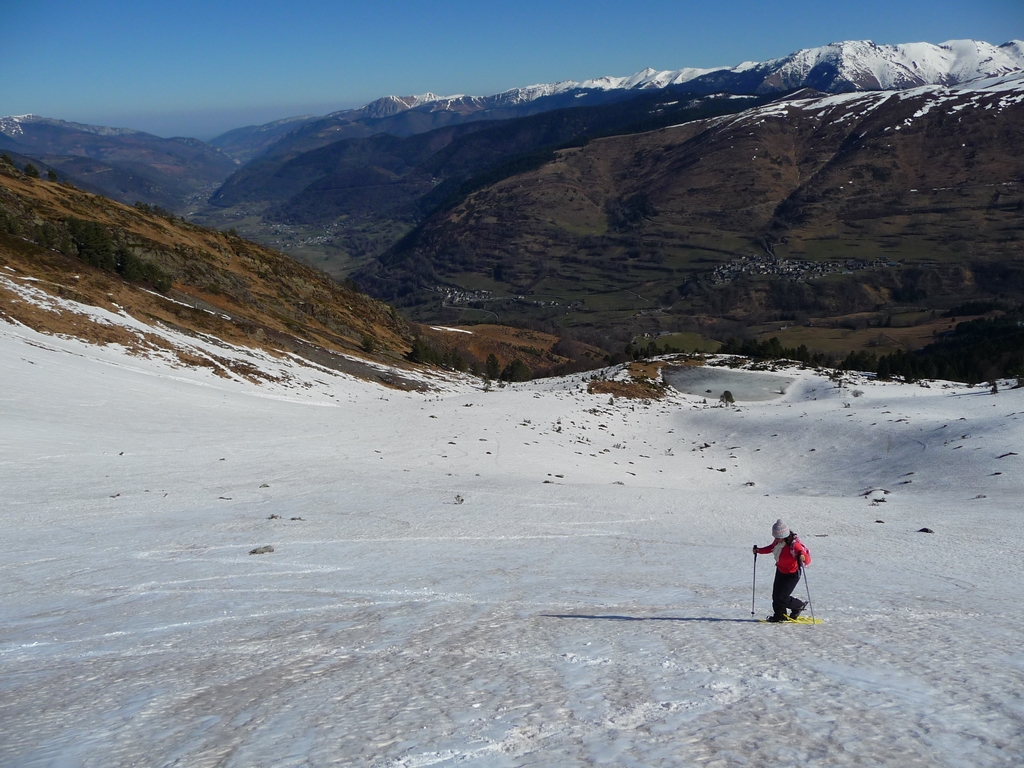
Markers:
point(834, 68)
point(120, 163)
point(385, 173)
point(179, 174)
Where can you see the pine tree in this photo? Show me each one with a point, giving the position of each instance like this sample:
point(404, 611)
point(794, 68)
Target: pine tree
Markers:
point(517, 370)
point(492, 368)
point(884, 372)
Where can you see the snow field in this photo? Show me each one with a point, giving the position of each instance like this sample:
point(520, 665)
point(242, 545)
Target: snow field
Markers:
point(439, 603)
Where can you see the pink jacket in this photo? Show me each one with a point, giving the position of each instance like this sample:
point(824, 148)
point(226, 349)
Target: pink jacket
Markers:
point(786, 555)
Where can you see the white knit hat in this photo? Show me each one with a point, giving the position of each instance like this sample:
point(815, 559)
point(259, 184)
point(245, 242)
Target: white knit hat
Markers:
point(780, 530)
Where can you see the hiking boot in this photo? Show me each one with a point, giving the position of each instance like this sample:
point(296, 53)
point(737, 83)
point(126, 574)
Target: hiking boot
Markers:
point(776, 619)
point(794, 613)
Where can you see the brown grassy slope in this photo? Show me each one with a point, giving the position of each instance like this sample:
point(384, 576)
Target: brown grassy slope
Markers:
point(543, 353)
point(221, 285)
point(868, 333)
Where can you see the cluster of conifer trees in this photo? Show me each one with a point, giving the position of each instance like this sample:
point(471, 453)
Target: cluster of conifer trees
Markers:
point(94, 243)
point(425, 351)
point(97, 247)
point(978, 350)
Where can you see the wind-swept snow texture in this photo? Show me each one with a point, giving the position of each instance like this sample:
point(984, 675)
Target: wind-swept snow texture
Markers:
point(533, 576)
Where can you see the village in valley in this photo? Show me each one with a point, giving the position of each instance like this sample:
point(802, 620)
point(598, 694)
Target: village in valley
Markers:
point(771, 266)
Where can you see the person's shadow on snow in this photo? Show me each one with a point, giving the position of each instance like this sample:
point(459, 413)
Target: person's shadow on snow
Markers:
point(612, 617)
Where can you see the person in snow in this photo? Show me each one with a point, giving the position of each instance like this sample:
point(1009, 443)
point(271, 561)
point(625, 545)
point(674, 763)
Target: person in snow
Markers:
point(790, 554)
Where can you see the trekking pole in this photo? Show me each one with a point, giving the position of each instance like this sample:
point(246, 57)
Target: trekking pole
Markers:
point(810, 605)
point(753, 589)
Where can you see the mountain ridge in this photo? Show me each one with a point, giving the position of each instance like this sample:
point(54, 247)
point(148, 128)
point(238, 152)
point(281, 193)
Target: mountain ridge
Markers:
point(836, 67)
point(889, 67)
point(948, 63)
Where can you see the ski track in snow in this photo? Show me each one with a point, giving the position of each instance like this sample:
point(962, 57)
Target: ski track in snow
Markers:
point(470, 584)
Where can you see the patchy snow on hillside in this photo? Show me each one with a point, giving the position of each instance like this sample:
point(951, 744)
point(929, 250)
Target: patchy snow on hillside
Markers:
point(529, 576)
point(992, 94)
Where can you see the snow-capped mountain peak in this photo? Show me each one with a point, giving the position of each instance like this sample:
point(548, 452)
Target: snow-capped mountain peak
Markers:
point(863, 65)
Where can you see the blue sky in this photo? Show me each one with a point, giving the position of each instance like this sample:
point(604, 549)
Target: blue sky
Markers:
point(200, 68)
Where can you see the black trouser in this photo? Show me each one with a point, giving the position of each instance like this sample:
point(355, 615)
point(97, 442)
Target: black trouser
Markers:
point(782, 593)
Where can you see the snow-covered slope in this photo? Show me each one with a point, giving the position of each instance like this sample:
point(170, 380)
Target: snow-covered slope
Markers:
point(529, 576)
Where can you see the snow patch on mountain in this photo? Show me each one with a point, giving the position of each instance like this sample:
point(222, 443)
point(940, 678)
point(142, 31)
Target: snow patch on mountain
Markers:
point(648, 78)
point(993, 93)
point(284, 375)
point(14, 126)
point(11, 126)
